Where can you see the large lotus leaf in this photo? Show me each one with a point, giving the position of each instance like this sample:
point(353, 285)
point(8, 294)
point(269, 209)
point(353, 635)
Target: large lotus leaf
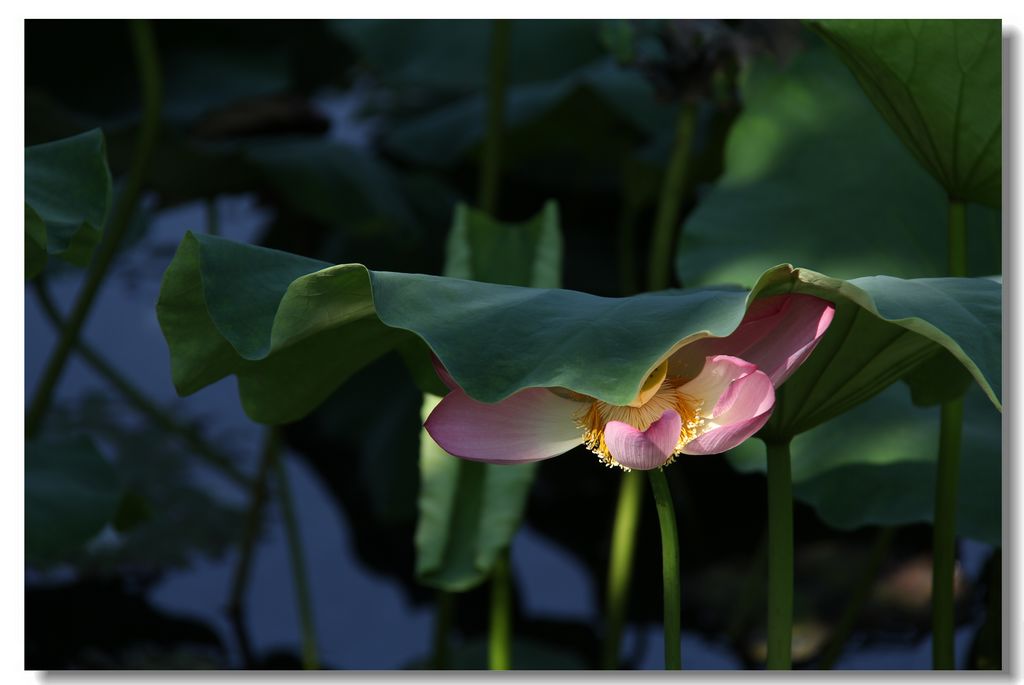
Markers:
point(71, 493)
point(861, 354)
point(68, 189)
point(813, 175)
point(608, 100)
point(455, 54)
point(292, 328)
point(469, 511)
point(938, 82)
point(876, 464)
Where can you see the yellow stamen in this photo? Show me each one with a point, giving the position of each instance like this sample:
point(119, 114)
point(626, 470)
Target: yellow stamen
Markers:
point(665, 397)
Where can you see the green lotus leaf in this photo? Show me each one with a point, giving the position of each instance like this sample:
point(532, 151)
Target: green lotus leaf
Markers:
point(68, 190)
point(876, 465)
point(883, 329)
point(938, 83)
point(813, 175)
point(71, 493)
point(469, 511)
point(291, 329)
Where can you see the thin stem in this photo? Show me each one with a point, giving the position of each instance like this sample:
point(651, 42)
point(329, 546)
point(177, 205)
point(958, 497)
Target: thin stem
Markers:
point(135, 396)
point(148, 67)
point(443, 626)
point(944, 531)
point(861, 593)
point(254, 518)
point(500, 640)
point(310, 660)
point(620, 565)
point(490, 172)
point(669, 568)
point(673, 189)
point(957, 255)
point(780, 557)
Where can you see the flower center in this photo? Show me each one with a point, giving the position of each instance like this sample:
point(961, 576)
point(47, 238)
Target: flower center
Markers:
point(667, 396)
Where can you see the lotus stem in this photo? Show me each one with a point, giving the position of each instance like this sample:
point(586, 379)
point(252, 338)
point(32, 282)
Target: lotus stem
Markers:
point(442, 627)
point(147, 64)
point(500, 639)
point(669, 568)
point(310, 660)
point(944, 531)
point(673, 189)
point(253, 519)
point(620, 565)
point(490, 172)
point(780, 557)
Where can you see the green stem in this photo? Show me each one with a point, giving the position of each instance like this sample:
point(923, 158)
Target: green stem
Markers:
point(861, 593)
point(490, 172)
point(149, 75)
point(310, 660)
point(669, 568)
point(500, 639)
point(254, 518)
point(620, 565)
point(944, 531)
point(142, 403)
point(443, 626)
point(673, 189)
point(957, 256)
point(780, 557)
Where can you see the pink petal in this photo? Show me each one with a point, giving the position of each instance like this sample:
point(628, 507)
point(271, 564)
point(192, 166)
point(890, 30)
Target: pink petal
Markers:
point(716, 375)
point(740, 411)
point(777, 334)
point(442, 372)
point(530, 425)
point(643, 450)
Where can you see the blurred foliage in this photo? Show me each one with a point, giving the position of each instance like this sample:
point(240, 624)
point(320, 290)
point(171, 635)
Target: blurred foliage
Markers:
point(71, 493)
point(162, 518)
point(814, 177)
point(67, 196)
point(938, 83)
point(444, 55)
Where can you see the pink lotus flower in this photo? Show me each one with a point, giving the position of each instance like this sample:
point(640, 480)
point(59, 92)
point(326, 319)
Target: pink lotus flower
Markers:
point(706, 397)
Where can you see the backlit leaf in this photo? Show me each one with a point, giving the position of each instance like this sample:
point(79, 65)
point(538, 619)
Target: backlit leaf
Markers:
point(938, 83)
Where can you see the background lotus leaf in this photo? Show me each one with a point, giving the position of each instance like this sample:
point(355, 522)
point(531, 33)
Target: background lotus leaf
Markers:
point(938, 83)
